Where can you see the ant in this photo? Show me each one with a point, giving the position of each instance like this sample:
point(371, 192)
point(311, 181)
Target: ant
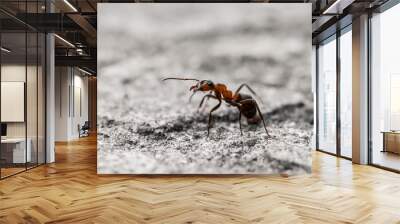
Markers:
point(245, 103)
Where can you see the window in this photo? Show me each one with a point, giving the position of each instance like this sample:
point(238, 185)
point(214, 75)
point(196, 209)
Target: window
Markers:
point(346, 93)
point(385, 89)
point(327, 95)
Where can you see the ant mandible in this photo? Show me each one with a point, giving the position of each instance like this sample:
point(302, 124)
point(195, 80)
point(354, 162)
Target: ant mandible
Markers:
point(245, 103)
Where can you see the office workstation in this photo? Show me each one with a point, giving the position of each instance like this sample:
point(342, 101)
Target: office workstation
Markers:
point(32, 121)
point(16, 149)
point(22, 102)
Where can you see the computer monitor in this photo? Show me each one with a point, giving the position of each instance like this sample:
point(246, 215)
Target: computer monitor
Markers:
point(3, 129)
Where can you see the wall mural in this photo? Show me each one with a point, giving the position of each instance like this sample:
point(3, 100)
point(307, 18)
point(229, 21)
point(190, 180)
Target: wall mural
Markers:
point(204, 89)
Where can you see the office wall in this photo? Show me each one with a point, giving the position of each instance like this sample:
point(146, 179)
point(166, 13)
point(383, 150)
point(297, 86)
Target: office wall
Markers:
point(15, 72)
point(9, 73)
point(81, 82)
point(33, 126)
point(71, 102)
point(62, 81)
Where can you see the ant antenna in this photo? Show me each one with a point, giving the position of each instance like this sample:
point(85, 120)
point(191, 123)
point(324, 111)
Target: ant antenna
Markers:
point(181, 79)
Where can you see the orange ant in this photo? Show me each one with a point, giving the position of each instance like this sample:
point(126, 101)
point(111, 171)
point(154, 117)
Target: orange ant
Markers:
point(245, 103)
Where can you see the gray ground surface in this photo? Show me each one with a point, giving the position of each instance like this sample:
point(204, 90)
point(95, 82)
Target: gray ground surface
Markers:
point(148, 126)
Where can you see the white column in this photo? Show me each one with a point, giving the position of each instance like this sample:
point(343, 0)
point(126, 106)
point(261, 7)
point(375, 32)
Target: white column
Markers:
point(50, 99)
point(50, 92)
point(360, 90)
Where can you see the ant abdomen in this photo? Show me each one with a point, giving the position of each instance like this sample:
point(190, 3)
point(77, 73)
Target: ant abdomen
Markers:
point(249, 109)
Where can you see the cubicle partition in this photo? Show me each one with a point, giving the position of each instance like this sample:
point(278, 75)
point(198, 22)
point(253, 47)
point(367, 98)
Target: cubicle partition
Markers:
point(22, 94)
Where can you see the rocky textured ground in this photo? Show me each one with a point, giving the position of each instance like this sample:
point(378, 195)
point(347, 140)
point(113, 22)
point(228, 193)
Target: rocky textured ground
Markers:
point(149, 126)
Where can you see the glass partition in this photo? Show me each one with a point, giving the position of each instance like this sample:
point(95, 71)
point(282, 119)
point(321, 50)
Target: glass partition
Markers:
point(327, 95)
point(385, 89)
point(14, 153)
point(22, 77)
point(32, 95)
point(33, 57)
point(346, 93)
point(41, 109)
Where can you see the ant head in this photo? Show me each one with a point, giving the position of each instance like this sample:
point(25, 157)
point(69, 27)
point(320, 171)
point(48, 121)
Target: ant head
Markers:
point(203, 85)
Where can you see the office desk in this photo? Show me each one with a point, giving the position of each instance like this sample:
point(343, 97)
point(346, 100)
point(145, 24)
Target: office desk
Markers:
point(13, 150)
point(391, 141)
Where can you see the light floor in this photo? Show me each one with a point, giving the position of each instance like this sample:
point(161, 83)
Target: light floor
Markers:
point(387, 159)
point(10, 171)
point(5, 172)
point(70, 191)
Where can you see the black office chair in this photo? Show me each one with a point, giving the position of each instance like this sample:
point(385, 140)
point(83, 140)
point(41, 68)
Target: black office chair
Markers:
point(84, 130)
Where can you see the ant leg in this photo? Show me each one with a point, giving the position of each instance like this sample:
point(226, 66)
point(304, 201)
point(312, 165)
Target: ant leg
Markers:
point(240, 122)
point(206, 97)
point(262, 118)
point(210, 117)
point(238, 105)
point(259, 112)
point(250, 89)
point(247, 86)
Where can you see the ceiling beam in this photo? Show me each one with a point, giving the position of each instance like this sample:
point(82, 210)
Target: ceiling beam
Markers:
point(337, 7)
point(86, 26)
point(78, 61)
point(49, 22)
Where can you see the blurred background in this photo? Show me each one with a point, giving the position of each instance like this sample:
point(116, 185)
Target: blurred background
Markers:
point(267, 46)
